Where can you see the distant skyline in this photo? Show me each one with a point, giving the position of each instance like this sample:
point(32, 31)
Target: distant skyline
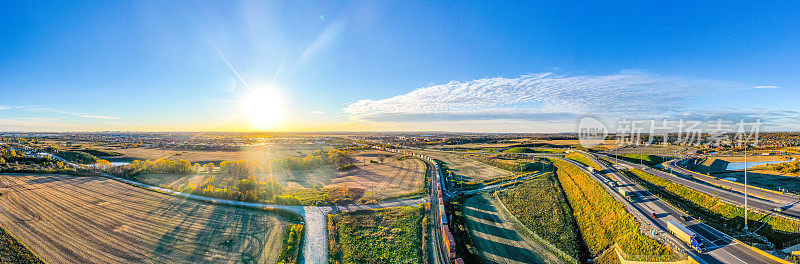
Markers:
point(393, 66)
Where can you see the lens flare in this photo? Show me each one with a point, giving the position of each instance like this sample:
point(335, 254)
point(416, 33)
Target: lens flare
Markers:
point(263, 108)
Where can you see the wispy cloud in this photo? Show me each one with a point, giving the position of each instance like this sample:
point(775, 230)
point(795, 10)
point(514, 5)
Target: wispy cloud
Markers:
point(543, 96)
point(765, 87)
point(47, 110)
point(2, 107)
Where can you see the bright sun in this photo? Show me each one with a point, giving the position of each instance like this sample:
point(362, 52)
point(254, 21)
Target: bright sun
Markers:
point(263, 108)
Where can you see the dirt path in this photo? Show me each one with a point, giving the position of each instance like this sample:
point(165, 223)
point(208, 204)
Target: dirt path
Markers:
point(67, 219)
point(496, 238)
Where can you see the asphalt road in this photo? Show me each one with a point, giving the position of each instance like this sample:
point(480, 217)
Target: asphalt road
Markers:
point(734, 194)
point(67, 219)
point(720, 248)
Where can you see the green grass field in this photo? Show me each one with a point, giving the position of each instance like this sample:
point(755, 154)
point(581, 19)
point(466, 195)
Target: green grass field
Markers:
point(541, 206)
point(582, 159)
point(602, 220)
point(12, 251)
point(391, 235)
point(533, 150)
point(646, 159)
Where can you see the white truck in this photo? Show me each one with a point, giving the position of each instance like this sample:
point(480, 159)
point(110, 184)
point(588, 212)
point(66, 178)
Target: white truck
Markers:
point(686, 235)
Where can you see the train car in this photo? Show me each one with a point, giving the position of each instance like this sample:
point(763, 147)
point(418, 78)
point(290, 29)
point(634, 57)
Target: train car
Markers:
point(449, 242)
point(442, 214)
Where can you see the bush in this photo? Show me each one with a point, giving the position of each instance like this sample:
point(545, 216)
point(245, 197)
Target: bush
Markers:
point(345, 167)
point(390, 235)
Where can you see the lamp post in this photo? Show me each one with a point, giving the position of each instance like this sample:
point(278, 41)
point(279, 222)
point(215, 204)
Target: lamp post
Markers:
point(745, 186)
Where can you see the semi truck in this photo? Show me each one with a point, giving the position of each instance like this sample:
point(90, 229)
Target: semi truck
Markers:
point(686, 235)
point(624, 192)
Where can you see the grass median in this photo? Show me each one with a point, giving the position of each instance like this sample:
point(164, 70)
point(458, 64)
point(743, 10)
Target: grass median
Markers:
point(602, 220)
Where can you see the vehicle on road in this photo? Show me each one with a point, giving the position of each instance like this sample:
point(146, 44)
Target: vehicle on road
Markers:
point(686, 235)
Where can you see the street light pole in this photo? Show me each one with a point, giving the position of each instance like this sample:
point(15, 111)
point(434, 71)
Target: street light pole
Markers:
point(745, 186)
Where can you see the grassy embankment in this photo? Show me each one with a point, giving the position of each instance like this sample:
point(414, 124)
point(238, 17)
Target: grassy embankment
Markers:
point(540, 204)
point(13, 251)
point(531, 150)
point(390, 235)
point(583, 159)
point(76, 156)
point(645, 159)
point(291, 244)
point(720, 215)
point(602, 220)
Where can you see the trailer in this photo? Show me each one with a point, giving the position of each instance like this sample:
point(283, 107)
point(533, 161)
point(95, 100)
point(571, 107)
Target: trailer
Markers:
point(686, 235)
point(625, 193)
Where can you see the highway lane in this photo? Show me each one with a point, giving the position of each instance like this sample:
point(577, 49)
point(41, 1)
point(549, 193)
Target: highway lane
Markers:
point(720, 246)
point(788, 202)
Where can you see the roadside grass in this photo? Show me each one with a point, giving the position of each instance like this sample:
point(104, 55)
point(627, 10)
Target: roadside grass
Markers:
point(76, 156)
point(602, 220)
point(389, 235)
point(533, 150)
point(724, 217)
point(646, 159)
point(539, 203)
point(13, 251)
point(292, 239)
point(582, 159)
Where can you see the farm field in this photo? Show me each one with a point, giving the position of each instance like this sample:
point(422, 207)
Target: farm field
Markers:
point(12, 251)
point(541, 206)
point(198, 156)
point(67, 219)
point(467, 168)
point(390, 175)
point(390, 235)
point(496, 238)
point(393, 176)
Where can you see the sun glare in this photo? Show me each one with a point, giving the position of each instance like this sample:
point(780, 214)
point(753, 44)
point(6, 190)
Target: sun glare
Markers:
point(263, 108)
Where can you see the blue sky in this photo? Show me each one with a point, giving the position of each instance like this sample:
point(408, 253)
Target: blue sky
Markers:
point(379, 66)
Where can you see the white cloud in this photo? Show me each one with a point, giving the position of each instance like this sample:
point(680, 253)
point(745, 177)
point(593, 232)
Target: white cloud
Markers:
point(2, 107)
point(319, 112)
point(35, 109)
point(544, 97)
point(765, 87)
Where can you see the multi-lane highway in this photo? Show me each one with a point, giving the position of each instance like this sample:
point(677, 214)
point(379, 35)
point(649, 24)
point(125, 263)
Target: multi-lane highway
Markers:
point(721, 248)
point(732, 193)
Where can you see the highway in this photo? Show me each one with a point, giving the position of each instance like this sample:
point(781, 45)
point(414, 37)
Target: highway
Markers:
point(720, 248)
point(700, 182)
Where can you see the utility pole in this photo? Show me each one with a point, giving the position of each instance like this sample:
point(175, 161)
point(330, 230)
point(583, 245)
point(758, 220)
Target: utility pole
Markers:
point(745, 186)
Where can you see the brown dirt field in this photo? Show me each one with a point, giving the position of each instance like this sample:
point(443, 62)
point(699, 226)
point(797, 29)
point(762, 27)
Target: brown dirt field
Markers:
point(495, 237)
point(751, 158)
point(469, 169)
point(67, 219)
point(250, 154)
point(391, 178)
